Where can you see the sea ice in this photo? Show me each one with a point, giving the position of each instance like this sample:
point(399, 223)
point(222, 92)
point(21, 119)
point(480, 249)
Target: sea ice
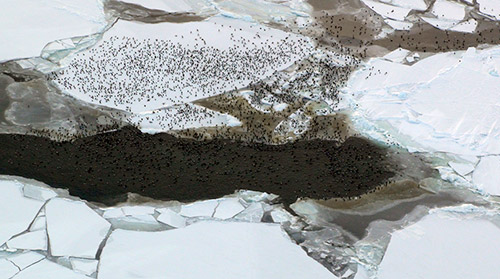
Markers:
point(490, 7)
point(387, 11)
point(7, 269)
point(170, 50)
point(201, 250)
point(46, 269)
point(74, 229)
point(84, 266)
point(447, 102)
point(227, 208)
point(171, 218)
point(36, 240)
point(38, 193)
point(16, 211)
point(199, 209)
point(486, 175)
point(28, 25)
point(25, 259)
point(443, 245)
point(183, 116)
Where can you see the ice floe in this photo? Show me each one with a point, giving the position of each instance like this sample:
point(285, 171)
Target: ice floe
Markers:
point(74, 229)
point(25, 259)
point(442, 244)
point(490, 7)
point(170, 50)
point(171, 218)
point(7, 269)
point(29, 25)
point(486, 175)
point(85, 266)
point(16, 211)
point(46, 269)
point(446, 102)
point(244, 250)
point(179, 117)
point(36, 240)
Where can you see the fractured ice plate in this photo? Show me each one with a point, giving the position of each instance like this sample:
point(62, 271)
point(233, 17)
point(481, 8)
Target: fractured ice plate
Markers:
point(142, 67)
point(208, 250)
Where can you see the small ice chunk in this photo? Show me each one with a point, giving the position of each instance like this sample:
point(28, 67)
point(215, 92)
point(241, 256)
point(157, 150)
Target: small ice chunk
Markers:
point(398, 55)
point(74, 229)
point(46, 269)
point(253, 213)
point(7, 269)
point(138, 210)
point(16, 211)
point(486, 176)
point(223, 250)
point(443, 245)
point(468, 26)
point(172, 218)
point(138, 223)
point(38, 224)
point(114, 212)
point(280, 215)
point(461, 168)
point(84, 266)
point(199, 209)
point(449, 10)
point(176, 6)
point(36, 240)
point(280, 106)
point(38, 193)
point(387, 11)
point(228, 208)
point(398, 25)
point(490, 7)
point(26, 259)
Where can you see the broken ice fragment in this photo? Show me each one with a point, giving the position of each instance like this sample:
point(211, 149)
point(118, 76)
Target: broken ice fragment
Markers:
point(486, 176)
point(171, 218)
point(441, 245)
point(36, 240)
point(16, 211)
point(25, 259)
point(199, 209)
point(46, 269)
point(84, 266)
point(262, 251)
point(7, 269)
point(74, 229)
point(227, 208)
point(38, 193)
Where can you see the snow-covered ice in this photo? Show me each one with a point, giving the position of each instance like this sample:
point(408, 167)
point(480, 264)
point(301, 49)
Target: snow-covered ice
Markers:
point(7, 269)
point(29, 25)
point(25, 259)
point(16, 211)
point(46, 269)
point(490, 7)
point(199, 209)
point(74, 229)
point(84, 266)
point(244, 250)
point(443, 245)
point(486, 175)
point(447, 102)
point(141, 48)
point(36, 240)
point(227, 208)
point(171, 218)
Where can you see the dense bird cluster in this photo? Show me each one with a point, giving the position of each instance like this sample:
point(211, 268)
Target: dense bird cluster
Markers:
point(125, 71)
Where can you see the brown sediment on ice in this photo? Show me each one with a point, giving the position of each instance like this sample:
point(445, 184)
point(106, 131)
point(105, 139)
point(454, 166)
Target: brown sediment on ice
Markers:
point(133, 12)
point(351, 27)
point(383, 194)
point(105, 167)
